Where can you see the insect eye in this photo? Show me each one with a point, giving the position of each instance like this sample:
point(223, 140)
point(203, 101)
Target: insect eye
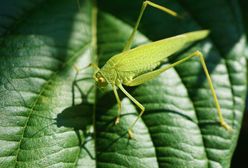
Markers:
point(101, 80)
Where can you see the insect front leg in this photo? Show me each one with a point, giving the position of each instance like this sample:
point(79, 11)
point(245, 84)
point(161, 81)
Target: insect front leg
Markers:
point(78, 70)
point(145, 3)
point(130, 132)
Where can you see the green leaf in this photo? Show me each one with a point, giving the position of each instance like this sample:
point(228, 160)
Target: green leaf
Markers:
point(244, 5)
point(53, 116)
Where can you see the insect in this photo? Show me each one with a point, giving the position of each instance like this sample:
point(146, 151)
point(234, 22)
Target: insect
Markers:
point(135, 66)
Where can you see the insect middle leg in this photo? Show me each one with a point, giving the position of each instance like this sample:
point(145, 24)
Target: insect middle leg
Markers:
point(117, 120)
point(130, 39)
point(130, 133)
point(145, 77)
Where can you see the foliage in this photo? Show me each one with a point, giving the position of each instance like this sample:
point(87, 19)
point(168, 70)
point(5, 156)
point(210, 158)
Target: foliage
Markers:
point(52, 116)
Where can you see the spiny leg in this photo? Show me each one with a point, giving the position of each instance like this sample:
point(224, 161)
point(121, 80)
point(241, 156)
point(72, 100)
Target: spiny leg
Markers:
point(117, 120)
point(130, 39)
point(130, 133)
point(145, 77)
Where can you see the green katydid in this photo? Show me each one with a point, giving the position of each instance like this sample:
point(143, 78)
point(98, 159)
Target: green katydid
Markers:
point(135, 66)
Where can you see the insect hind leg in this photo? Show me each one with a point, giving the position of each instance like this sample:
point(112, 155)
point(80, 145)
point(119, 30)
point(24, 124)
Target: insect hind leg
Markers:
point(210, 83)
point(145, 77)
point(144, 5)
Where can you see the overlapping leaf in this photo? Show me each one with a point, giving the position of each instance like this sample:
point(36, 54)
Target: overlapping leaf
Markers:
point(53, 116)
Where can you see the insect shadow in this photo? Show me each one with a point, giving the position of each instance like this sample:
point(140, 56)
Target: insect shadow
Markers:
point(105, 116)
point(106, 102)
point(79, 116)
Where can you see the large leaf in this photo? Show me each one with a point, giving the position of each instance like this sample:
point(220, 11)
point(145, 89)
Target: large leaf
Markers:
point(53, 117)
point(244, 5)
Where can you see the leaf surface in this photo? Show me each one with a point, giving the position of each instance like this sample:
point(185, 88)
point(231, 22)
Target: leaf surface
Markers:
point(54, 116)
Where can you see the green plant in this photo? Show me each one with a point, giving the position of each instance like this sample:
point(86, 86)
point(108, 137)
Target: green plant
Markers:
point(47, 116)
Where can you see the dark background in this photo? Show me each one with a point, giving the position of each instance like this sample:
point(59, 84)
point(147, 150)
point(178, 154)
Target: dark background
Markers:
point(241, 153)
